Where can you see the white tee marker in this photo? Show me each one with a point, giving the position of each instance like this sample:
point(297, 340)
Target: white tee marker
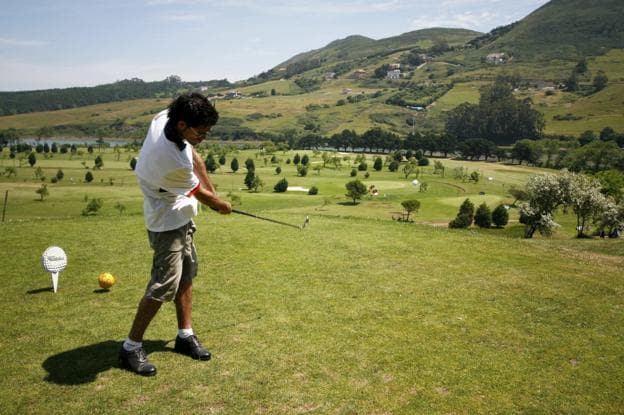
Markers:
point(54, 261)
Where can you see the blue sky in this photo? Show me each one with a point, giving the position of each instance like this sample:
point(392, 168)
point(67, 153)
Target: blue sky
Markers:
point(63, 43)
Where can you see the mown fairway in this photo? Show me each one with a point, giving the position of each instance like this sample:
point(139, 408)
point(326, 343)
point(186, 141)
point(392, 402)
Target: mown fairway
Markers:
point(357, 314)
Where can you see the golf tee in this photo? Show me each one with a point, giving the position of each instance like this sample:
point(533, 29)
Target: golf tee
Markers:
point(55, 280)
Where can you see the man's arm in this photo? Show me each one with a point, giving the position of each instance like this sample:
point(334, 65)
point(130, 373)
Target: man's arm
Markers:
point(207, 193)
point(202, 174)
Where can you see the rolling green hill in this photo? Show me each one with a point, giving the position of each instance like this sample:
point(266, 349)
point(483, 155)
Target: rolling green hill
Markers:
point(355, 48)
point(565, 29)
point(341, 86)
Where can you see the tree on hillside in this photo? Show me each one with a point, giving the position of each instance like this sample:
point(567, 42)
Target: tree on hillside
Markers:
point(483, 216)
point(529, 151)
point(42, 191)
point(612, 184)
point(611, 218)
point(498, 117)
point(475, 148)
point(98, 163)
point(464, 217)
point(545, 194)
point(410, 206)
point(234, 165)
point(581, 66)
point(585, 199)
point(600, 81)
point(250, 165)
point(378, 164)
point(411, 167)
point(211, 164)
point(355, 190)
point(32, 159)
point(249, 178)
point(572, 84)
point(594, 157)
point(281, 186)
point(500, 216)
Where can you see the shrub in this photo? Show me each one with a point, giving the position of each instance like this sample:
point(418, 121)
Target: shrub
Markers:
point(98, 163)
point(467, 208)
point(302, 170)
point(234, 165)
point(464, 217)
point(355, 190)
point(88, 177)
point(500, 216)
point(423, 161)
point(92, 207)
point(281, 186)
point(363, 166)
point(42, 191)
point(483, 216)
point(394, 166)
point(249, 178)
point(313, 191)
point(353, 173)
point(410, 206)
point(133, 163)
point(278, 170)
point(250, 165)
point(210, 163)
point(460, 222)
point(378, 165)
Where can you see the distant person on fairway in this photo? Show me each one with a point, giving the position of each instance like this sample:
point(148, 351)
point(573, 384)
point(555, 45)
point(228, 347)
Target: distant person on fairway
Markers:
point(173, 178)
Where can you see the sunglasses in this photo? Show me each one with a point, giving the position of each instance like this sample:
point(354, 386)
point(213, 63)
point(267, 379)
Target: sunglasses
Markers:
point(199, 134)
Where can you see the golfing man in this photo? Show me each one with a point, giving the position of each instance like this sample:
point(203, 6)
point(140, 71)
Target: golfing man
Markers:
point(173, 178)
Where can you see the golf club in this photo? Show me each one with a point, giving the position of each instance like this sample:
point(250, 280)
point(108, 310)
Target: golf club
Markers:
point(307, 219)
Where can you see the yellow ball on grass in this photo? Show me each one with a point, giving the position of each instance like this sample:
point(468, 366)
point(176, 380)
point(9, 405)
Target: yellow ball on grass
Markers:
point(106, 280)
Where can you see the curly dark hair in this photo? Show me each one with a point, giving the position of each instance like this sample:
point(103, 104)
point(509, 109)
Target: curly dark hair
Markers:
point(194, 109)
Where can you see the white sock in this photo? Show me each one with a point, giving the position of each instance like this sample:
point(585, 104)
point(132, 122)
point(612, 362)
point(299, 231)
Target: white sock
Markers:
point(184, 333)
point(130, 345)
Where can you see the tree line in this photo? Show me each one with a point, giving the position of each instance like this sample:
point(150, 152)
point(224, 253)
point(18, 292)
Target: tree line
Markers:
point(57, 99)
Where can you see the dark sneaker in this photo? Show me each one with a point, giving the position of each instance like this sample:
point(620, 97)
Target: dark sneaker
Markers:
point(136, 361)
point(191, 347)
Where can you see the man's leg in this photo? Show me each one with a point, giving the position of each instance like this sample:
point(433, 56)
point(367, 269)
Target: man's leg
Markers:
point(186, 342)
point(145, 313)
point(184, 304)
point(132, 356)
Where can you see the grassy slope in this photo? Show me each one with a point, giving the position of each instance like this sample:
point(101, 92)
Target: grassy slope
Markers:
point(356, 314)
point(350, 316)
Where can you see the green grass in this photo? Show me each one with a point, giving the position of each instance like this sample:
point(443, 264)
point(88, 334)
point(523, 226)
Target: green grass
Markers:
point(356, 314)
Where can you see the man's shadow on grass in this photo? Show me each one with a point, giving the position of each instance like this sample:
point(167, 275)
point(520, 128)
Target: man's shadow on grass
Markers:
point(82, 365)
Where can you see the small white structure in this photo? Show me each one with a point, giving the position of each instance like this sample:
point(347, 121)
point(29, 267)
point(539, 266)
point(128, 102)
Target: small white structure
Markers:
point(393, 74)
point(497, 58)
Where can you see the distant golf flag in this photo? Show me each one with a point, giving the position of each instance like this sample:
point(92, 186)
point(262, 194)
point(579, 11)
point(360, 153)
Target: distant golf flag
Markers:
point(54, 261)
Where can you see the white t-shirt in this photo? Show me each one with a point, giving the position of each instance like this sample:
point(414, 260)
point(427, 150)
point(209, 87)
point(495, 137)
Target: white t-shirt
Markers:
point(166, 178)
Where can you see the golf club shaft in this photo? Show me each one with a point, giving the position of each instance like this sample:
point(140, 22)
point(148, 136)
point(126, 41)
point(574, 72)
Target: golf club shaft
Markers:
point(267, 219)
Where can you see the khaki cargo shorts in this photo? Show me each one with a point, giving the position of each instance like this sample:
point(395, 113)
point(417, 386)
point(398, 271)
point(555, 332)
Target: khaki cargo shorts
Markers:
point(175, 260)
